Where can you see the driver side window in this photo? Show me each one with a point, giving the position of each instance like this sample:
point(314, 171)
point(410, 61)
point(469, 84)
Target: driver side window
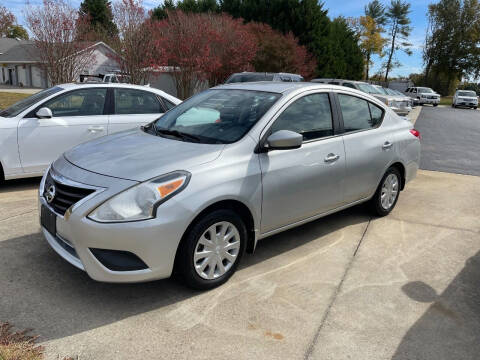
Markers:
point(310, 116)
point(82, 102)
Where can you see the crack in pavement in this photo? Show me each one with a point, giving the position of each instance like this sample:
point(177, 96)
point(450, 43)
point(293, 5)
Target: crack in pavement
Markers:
point(313, 343)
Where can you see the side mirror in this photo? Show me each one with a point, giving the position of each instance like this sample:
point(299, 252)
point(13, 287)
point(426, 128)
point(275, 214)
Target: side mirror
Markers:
point(284, 140)
point(44, 113)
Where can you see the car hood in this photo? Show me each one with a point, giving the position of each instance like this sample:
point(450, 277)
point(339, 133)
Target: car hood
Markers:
point(136, 155)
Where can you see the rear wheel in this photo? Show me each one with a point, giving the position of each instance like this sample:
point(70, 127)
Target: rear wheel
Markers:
point(387, 193)
point(212, 249)
point(435, 105)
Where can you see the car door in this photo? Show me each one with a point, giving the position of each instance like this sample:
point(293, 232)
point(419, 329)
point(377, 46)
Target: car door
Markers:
point(301, 183)
point(77, 116)
point(368, 146)
point(133, 108)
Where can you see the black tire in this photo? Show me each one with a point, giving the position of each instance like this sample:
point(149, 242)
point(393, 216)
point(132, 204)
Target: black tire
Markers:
point(185, 260)
point(435, 105)
point(376, 203)
point(453, 106)
point(474, 108)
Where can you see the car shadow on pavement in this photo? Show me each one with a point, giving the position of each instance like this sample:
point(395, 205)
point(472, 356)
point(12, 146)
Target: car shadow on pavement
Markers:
point(20, 185)
point(450, 328)
point(40, 290)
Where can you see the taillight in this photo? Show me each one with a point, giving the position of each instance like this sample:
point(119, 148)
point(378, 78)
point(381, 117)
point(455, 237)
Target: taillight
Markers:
point(416, 133)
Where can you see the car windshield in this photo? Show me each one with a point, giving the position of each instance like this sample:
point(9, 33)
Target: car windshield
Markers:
point(369, 89)
point(398, 92)
point(379, 90)
point(215, 116)
point(425, 90)
point(391, 92)
point(24, 104)
point(467, 93)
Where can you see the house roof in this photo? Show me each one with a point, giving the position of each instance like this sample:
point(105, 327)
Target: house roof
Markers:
point(22, 52)
point(25, 51)
point(7, 43)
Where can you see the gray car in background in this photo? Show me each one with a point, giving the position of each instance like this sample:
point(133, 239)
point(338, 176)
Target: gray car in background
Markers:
point(263, 76)
point(194, 190)
point(400, 106)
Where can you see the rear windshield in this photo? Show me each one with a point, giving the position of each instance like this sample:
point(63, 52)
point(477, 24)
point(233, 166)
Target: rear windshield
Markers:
point(425, 90)
point(240, 78)
point(379, 90)
point(467, 93)
point(24, 104)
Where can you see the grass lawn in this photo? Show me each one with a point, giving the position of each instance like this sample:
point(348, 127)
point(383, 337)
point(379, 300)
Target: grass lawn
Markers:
point(9, 98)
point(446, 100)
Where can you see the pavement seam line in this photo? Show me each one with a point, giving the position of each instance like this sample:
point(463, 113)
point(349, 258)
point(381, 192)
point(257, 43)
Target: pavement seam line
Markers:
point(14, 216)
point(312, 344)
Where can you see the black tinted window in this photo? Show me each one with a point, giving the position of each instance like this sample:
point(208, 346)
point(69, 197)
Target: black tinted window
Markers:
point(82, 102)
point(168, 104)
point(310, 116)
point(349, 85)
point(131, 101)
point(356, 113)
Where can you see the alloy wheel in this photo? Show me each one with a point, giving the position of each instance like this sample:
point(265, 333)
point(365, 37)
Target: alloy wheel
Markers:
point(389, 191)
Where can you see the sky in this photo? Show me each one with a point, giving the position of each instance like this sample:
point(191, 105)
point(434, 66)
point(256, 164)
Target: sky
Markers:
point(346, 8)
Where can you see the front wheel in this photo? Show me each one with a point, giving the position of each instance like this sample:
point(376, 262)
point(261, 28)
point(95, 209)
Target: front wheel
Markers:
point(435, 105)
point(387, 193)
point(212, 249)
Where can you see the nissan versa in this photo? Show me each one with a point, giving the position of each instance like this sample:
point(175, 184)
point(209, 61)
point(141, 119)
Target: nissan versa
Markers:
point(195, 189)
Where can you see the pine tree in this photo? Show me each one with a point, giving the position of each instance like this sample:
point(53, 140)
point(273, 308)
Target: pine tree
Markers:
point(98, 15)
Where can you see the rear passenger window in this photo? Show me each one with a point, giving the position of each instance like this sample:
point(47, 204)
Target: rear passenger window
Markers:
point(357, 114)
point(310, 116)
point(130, 101)
point(376, 113)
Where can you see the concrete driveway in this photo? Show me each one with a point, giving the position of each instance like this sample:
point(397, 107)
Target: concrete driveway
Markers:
point(344, 287)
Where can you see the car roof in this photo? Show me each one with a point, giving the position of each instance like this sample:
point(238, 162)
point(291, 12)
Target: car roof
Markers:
point(272, 86)
point(70, 86)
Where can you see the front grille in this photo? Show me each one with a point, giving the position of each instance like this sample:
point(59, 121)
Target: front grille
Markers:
point(61, 196)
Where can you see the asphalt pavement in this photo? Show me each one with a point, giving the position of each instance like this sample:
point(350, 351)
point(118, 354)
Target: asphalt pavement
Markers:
point(450, 140)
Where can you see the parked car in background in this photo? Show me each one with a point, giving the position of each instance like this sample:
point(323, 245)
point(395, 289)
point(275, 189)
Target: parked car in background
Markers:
point(37, 129)
point(194, 195)
point(106, 78)
point(263, 76)
point(423, 95)
point(359, 85)
point(398, 105)
point(401, 104)
point(466, 98)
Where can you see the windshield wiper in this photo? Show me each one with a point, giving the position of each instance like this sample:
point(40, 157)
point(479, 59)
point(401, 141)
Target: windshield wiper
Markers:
point(176, 133)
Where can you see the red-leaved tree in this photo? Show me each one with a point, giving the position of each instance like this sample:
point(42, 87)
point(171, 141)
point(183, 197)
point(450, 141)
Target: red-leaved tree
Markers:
point(54, 26)
point(135, 41)
point(280, 53)
point(202, 48)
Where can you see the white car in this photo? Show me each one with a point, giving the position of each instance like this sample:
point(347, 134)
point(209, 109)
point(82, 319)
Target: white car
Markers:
point(423, 95)
point(465, 98)
point(37, 129)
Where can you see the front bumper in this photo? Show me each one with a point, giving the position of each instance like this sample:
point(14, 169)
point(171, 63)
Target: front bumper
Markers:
point(466, 103)
point(154, 241)
point(422, 100)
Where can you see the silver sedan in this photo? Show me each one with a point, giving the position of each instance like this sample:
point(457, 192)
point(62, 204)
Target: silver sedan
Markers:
point(194, 190)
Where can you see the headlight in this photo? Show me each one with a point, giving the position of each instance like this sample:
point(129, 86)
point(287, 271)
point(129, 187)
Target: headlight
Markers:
point(141, 201)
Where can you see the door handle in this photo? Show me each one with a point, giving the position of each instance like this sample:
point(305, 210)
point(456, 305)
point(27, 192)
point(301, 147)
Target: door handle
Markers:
point(387, 145)
point(95, 129)
point(331, 158)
